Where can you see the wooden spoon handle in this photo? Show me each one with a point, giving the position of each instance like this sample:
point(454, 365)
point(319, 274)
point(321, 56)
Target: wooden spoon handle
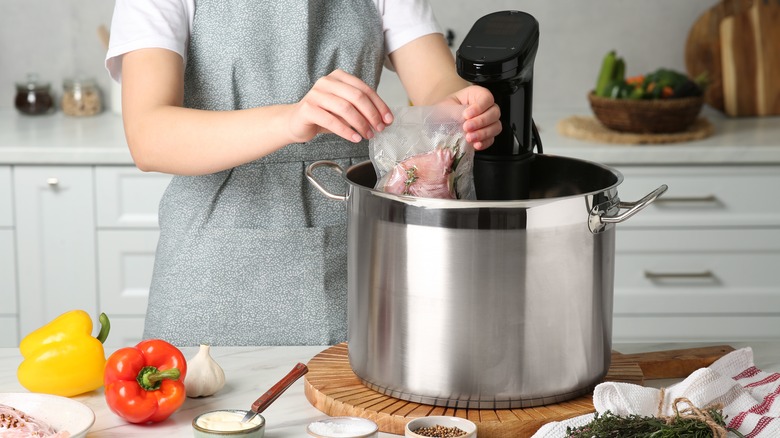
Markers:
point(272, 394)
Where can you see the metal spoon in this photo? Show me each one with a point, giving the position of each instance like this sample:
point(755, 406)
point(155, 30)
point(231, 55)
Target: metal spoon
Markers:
point(272, 394)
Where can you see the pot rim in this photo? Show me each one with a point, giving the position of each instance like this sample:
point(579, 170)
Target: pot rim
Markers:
point(436, 203)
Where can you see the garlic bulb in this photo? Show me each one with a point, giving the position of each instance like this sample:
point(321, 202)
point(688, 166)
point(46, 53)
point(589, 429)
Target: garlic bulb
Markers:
point(204, 375)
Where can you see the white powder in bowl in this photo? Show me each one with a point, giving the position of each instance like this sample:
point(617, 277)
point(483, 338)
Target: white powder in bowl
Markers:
point(343, 427)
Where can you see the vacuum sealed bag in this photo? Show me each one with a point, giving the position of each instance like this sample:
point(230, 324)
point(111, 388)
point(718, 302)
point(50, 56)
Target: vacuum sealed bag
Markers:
point(424, 153)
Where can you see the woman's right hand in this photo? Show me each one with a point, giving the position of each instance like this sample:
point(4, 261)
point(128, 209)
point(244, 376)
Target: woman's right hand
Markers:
point(342, 104)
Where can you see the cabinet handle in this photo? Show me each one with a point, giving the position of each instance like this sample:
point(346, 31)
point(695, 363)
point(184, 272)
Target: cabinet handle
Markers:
point(688, 199)
point(53, 182)
point(665, 275)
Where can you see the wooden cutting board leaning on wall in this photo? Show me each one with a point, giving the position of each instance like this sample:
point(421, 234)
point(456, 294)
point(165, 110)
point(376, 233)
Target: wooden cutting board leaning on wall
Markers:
point(737, 44)
point(702, 48)
point(750, 60)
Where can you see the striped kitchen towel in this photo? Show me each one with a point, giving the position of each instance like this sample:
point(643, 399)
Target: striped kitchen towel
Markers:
point(746, 393)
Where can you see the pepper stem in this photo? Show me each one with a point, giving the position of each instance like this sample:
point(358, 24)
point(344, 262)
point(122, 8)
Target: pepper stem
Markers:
point(105, 326)
point(150, 378)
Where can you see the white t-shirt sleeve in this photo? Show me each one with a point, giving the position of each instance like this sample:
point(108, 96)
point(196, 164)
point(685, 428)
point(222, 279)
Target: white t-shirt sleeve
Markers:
point(405, 20)
point(142, 24)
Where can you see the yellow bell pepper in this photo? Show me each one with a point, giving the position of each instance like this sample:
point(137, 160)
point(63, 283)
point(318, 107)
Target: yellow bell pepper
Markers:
point(62, 357)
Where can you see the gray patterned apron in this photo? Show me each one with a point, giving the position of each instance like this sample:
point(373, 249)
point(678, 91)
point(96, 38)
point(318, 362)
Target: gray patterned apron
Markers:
point(255, 255)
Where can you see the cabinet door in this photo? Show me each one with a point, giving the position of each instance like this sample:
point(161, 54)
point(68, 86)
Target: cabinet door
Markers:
point(9, 332)
point(6, 203)
point(705, 196)
point(703, 328)
point(127, 197)
point(696, 285)
point(125, 259)
point(9, 323)
point(125, 331)
point(55, 225)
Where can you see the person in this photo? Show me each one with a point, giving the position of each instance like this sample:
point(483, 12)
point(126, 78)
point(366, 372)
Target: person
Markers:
point(235, 98)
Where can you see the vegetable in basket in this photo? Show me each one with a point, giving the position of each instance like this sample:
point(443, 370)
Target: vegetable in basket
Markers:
point(662, 83)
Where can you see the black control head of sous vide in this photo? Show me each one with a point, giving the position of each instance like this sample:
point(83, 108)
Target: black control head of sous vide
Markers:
point(500, 46)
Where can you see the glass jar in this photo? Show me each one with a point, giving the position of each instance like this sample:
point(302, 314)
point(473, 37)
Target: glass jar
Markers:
point(81, 97)
point(33, 97)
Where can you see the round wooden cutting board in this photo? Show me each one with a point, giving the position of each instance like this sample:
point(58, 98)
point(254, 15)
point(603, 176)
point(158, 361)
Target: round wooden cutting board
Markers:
point(332, 387)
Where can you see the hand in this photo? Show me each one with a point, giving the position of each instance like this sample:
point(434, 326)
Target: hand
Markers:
point(342, 104)
point(482, 116)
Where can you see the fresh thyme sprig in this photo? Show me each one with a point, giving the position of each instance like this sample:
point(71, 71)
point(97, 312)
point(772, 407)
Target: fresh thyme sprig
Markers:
point(609, 425)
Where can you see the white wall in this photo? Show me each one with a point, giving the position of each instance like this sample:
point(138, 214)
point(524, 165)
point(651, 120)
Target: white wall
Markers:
point(575, 35)
point(58, 38)
point(53, 38)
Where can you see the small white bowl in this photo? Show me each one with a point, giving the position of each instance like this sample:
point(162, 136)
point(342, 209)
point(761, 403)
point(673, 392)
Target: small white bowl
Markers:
point(444, 421)
point(343, 427)
point(205, 425)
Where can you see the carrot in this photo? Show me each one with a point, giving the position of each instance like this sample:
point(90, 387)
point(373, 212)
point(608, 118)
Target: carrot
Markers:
point(635, 80)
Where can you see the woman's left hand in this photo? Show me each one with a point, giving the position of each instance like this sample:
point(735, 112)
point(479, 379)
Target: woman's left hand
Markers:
point(482, 116)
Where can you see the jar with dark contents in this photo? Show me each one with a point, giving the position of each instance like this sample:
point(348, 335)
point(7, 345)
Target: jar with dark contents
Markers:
point(33, 97)
point(81, 97)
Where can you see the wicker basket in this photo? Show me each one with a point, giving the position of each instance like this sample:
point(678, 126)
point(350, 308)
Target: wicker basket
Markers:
point(646, 116)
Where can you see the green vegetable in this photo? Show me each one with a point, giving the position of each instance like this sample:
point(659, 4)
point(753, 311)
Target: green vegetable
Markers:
point(620, 90)
point(606, 74)
point(662, 83)
point(620, 70)
point(666, 77)
point(609, 425)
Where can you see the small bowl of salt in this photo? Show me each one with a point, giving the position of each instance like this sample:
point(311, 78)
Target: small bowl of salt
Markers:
point(343, 427)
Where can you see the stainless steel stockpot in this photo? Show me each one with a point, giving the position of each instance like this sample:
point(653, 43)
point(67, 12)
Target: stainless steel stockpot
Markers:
point(484, 304)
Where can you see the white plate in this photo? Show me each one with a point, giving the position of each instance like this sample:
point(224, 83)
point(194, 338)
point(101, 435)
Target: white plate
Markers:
point(61, 413)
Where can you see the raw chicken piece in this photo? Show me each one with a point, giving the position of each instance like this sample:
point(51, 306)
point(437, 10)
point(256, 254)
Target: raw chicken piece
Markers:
point(17, 424)
point(425, 175)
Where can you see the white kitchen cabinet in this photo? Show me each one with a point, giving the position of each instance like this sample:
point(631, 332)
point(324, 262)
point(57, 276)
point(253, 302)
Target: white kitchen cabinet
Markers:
point(55, 230)
point(704, 196)
point(127, 203)
point(126, 259)
point(83, 237)
point(127, 197)
point(6, 201)
point(701, 262)
point(9, 320)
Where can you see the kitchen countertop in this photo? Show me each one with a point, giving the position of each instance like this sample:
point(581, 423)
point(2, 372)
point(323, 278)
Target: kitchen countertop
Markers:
point(62, 140)
point(250, 371)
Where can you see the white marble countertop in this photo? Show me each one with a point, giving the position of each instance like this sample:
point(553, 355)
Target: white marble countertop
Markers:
point(59, 139)
point(250, 371)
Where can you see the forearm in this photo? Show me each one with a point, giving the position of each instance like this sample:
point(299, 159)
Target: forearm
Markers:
point(165, 137)
point(184, 141)
point(442, 88)
point(426, 68)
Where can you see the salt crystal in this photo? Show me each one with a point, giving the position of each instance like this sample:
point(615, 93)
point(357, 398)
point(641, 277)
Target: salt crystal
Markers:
point(339, 430)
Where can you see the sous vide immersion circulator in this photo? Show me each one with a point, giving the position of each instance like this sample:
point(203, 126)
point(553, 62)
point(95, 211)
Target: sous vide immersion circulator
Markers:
point(498, 53)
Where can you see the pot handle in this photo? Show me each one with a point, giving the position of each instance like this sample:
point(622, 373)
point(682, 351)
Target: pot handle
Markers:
point(310, 176)
point(598, 221)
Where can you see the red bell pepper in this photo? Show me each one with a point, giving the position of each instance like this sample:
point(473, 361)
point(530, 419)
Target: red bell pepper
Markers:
point(145, 383)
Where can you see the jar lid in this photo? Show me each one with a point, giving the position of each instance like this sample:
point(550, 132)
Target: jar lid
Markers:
point(78, 82)
point(33, 84)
